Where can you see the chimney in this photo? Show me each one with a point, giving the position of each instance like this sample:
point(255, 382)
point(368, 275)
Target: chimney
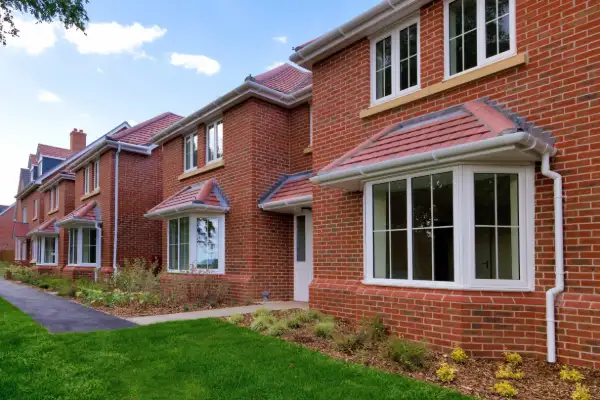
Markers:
point(78, 141)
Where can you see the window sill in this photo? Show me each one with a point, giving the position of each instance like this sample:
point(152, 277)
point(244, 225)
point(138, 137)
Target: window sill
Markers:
point(199, 171)
point(308, 150)
point(90, 194)
point(82, 266)
point(442, 285)
point(34, 219)
point(450, 83)
point(195, 273)
point(53, 211)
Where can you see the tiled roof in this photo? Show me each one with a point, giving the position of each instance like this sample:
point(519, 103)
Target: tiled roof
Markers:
point(20, 229)
point(24, 178)
point(289, 187)
point(32, 159)
point(47, 227)
point(284, 78)
point(85, 212)
point(205, 194)
point(470, 122)
point(56, 152)
point(141, 133)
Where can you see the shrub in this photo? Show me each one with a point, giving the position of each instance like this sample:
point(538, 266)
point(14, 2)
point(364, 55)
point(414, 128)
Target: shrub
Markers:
point(262, 322)
point(25, 275)
point(570, 375)
point(446, 373)
point(294, 321)
point(504, 389)
point(410, 355)
point(581, 392)
point(459, 355)
point(324, 329)
point(263, 311)
point(235, 318)
point(136, 276)
point(348, 343)
point(276, 329)
point(509, 372)
point(374, 329)
point(513, 358)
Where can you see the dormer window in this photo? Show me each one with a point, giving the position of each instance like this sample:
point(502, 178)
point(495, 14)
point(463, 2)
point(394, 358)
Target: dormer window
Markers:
point(395, 69)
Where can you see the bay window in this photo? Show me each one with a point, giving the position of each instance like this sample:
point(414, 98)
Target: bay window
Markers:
point(190, 152)
point(44, 250)
point(196, 243)
point(477, 32)
point(463, 227)
point(214, 141)
point(84, 246)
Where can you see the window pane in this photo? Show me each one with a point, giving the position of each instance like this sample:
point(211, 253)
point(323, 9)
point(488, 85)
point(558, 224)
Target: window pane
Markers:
point(503, 34)
point(502, 7)
point(485, 253)
point(301, 238)
point(413, 39)
point(85, 248)
point(442, 199)
point(404, 75)
point(455, 20)
point(470, 43)
point(380, 206)
point(173, 245)
point(490, 10)
point(456, 64)
point(484, 199)
point(207, 243)
point(184, 243)
point(404, 43)
point(186, 153)
point(381, 255)
point(491, 41)
point(443, 246)
point(470, 15)
point(508, 253)
point(379, 84)
point(508, 199)
point(210, 142)
point(422, 254)
point(194, 151)
point(383, 67)
point(421, 201)
point(413, 71)
point(387, 81)
point(399, 255)
point(398, 204)
point(49, 250)
point(93, 237)
point(219, 139)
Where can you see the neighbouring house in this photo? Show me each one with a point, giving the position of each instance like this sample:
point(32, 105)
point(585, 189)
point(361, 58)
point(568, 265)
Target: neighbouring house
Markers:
point(452, 139)
point(7, 242)
point(235, 182)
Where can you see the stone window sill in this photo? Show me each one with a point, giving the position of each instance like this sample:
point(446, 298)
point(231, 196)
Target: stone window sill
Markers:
point(53, 211)
point(199, 171)
point(90, 194)
point(450, 83)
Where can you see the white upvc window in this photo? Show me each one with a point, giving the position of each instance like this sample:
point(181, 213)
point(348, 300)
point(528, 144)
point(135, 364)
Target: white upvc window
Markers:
point(56, 197)
point(84, 246)
point(190, 152)
point(97, 174)
point(33, 258)
point(462, 227)
point(24, 215)
point(214, 141)
point(196, 243)
point(395, 62)
point(86, 179)
point(477, 33)
point(35, 208)
point(46, 250)
point(52, 196)
point(17, 249)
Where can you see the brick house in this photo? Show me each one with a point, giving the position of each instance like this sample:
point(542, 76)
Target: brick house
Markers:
point(452, 139)
point(228, 171)
point(7, 216)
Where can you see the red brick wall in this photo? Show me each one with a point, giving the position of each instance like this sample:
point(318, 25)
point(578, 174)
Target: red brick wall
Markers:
point(6, 230)
point(558, 90)
point(300, 139)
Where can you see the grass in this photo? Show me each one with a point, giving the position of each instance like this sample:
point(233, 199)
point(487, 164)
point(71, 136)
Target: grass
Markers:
point(202, 359)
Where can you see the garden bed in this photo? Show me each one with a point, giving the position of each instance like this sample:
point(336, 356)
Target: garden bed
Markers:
point(474, 377)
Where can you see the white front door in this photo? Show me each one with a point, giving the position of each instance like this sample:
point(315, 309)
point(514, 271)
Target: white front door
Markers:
point(303, 255)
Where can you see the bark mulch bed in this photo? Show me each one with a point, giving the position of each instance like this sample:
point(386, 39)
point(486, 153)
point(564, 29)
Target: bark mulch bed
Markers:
point(474, 378)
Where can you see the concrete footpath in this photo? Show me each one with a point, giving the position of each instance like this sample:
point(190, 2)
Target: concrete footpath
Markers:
point(218, 312)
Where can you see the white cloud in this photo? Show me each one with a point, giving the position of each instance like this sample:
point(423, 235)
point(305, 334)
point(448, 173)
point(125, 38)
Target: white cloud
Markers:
point(202, 64)
point(34, 38)
point(99, 70)
point(281, 39)
point(48, 97)
point(113, 38)
point(275, 65)
point(132, 122)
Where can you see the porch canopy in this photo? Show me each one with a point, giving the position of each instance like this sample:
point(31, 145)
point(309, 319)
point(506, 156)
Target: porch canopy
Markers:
point(48, 228)
point(203, 197)
point(85, 214)
point(290, 194)
point(476, 131)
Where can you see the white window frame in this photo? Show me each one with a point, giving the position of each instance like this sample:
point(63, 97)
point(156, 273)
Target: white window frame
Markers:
point(464, 230)
point(79, 262)
point(52, 197)
point(192, 249)
point(56, 198)
point(40, 248)
point(207, 141)
point(35, 208)
point(17, 249)
point(188, 158)
point(395, 34)
point(34, 248)
point(24, 215)
point(482, 61)
point(97, 174)
point(86, 179)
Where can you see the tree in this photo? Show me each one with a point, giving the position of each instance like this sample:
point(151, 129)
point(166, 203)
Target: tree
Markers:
point(71, 13)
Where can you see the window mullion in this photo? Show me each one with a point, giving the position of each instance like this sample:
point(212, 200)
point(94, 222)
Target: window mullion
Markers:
point(409, 227)
point(496, 222)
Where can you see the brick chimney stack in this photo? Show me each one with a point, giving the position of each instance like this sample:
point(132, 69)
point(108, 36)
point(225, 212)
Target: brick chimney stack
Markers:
point(78, 140)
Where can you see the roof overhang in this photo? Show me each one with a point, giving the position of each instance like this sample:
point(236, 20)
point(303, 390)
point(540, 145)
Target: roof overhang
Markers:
point(184, 209)
point(41, 233)
point(293, 205)
point(77, 222)
point(61, 176)
point(243, 92)
point(28, 189)
point(365, 24)
point(519, 146)
point(106, 144)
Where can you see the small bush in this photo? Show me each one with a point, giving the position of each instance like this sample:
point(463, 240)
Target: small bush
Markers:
point(504, 389)
point(513, 358)
point(262, 322)
point(412, 356)
point(261, 312)
point(581, 392)
point(570, 375)
point(276, 329)
point(509, 372)
point(374, 329)
point(446, 373)
point(294, 321)
point(324, 329)
point(348, 343)
point(235, 318)
point(459, 355)
point(136, 276)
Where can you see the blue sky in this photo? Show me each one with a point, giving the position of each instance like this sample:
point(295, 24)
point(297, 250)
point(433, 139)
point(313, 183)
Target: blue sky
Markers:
point(132, 65)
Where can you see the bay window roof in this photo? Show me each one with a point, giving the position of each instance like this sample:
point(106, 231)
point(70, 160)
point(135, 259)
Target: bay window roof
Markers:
point(47, 228)
point(85, 213)
point(479, 130)
point(289, 194)
point(205, 196)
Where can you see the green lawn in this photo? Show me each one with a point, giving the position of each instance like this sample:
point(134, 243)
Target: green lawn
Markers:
point(203, 359)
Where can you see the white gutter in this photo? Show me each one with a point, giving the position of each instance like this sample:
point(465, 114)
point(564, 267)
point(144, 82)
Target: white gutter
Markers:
point(116, 232)
point(106, 143)
point(297, 201)
point(184, 208)
point(558, 256)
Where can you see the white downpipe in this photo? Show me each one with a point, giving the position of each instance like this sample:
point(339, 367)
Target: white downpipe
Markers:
point(116, 232)
point(98, 232)
point(559, 257)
